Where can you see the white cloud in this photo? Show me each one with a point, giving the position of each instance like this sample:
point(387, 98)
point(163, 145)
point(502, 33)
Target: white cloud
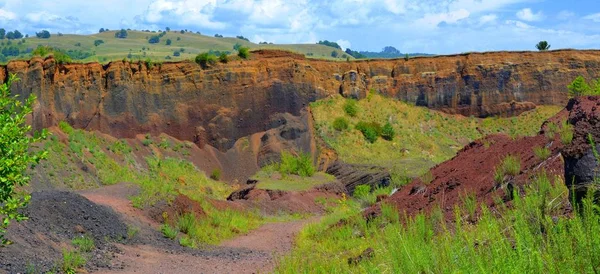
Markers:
point(196, 13)
point(594, 17)
point(565, 14)
point(344, 44)
point(7, 15)
point(527, 14)
point(433, 20)
point(395, 6)
point(489, 18)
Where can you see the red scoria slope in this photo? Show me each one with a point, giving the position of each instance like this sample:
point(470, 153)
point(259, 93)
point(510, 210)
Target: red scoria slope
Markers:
point(472, 170)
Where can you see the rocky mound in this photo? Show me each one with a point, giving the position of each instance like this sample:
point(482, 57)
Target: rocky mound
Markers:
point(55, 218)
point(351, 175)
point(581, 161)
point(472, 172)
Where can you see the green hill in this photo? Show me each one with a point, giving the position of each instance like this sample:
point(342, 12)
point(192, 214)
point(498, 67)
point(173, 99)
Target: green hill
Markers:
point(84, 48)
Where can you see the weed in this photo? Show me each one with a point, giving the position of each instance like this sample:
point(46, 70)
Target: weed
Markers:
point(65, 127)
point(566, 133)
point(542, 153)
point(72, 261)
point(164, 143)
point(132, 231)
point(361, 191)
point(301, 165)
point(186, 223)
point(187, 242)
point(84, 243)
point(169, 231)
point(427, 177)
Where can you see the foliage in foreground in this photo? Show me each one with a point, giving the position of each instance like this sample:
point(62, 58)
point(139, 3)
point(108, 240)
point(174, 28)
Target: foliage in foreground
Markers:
point(531, 237)
point(301, 165)
point(15, 154)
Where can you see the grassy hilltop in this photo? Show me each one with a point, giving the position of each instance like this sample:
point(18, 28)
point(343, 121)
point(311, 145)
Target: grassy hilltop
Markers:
point(85, 48)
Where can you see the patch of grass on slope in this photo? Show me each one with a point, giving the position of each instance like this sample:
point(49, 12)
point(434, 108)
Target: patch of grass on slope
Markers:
point(533, 236)
point(88, 159)
point(423, 137)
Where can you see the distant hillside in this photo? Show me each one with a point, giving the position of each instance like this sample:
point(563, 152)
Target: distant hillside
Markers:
point(171, 46)
point(388, 52)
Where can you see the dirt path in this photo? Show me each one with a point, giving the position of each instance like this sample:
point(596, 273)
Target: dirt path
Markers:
point(255, 252)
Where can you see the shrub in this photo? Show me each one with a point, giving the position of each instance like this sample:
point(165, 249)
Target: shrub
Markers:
point(168, 43)
point(168, 231)
point(154, 39)
point(215, 174)
point(65, 127)
point(84, 243)
point(206, 59)
point(122, 34)
point(388, 132)
point(341, 124)
point(510, 165)
point(223, 57)
point(351, 107)
point(427, 177)
point(187, 242)
point(98, 42)
point(542, 153)
point(301, 165)
point(371, 131)
point(244, 52)
point(361, 191)
point(16, 157)
point(579, 87)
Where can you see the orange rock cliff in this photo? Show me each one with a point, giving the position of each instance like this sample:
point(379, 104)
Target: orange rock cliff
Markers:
point(223, 103)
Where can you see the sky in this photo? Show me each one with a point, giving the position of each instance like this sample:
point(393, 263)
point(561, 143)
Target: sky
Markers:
point(426, 26)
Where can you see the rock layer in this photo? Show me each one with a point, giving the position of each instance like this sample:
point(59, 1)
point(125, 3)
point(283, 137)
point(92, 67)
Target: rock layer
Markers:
point(223, 103)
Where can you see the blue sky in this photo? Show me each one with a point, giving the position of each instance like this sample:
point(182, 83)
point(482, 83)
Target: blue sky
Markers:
point(432, 26)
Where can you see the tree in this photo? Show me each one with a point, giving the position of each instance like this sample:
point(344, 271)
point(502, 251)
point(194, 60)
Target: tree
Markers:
point(543, 46)
point(579, 87)
point(122, 34)
point(98, 42)
point(237, 46)
point(218, 35)
point(330, 44)
point(176, 53)
point(16, 154)
point(168, 29)
point(206, 59)
point(182, 31)
point(223, 57)
point(44, 34)
point(168, 42)
point(242, 38)
point(154, 39)
point(2, 33)
point(334, 54)
point(101, 30)
point(18, 34)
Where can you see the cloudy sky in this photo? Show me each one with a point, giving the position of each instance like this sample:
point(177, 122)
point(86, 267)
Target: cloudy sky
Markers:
point(432, 26)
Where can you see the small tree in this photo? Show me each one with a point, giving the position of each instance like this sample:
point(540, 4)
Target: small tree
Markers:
point(154, 39)
point(16, 155)
point(44, 34)
point(543, 46)
point(206, 59)
point(244, 52)
point(223, 57)
point(98, 42)
point(122, 34)
point(168, 42)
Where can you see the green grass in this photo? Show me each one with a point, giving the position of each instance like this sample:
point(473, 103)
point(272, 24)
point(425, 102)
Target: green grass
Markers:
point(290, 183)
point(542, 153)
point(422, 138)
point(72, 261)
point(533, 236)
point(136, 45)
point(84, 243)
point(169, 231)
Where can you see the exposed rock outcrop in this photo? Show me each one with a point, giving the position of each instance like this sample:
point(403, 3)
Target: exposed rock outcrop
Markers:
point(582, 166)
point(221, 104)
point(352, 176)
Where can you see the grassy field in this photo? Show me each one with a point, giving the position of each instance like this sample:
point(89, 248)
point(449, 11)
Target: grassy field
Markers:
point(531, 236)
point(423, 137)
point(188, 45)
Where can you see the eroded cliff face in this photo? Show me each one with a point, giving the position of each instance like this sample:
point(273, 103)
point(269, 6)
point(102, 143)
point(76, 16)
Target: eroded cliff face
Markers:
point(223, 103)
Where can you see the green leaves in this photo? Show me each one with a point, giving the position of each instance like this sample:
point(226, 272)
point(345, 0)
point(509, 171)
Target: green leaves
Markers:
point(16, 154)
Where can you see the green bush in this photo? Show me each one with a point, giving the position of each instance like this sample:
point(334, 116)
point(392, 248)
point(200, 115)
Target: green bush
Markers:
point(301, 165)
point(341, 124)
point(510, 165)
point(215, 174)
point(168, 231)
point(224, 58)
point(187, 242)
point(206, 59)
point(361, 191)
point(244, 52)
point(388, 132)
point(351, 107)
point(85, 243)
point(371, 131)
